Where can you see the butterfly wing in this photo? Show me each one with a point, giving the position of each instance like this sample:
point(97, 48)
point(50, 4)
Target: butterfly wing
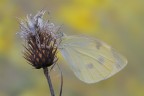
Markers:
point(91, 60)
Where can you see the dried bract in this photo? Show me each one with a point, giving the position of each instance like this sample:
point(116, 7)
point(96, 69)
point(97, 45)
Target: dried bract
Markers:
point(41, 41)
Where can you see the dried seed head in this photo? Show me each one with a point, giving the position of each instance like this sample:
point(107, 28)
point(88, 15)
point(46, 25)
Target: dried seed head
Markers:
point(41, 41)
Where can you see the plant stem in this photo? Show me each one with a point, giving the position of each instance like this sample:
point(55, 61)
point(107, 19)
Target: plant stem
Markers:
point(46, 72)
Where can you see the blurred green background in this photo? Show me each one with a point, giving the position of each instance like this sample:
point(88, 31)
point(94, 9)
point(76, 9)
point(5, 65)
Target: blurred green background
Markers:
point(120, 23)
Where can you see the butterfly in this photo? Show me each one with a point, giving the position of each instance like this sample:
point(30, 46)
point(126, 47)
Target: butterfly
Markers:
point(90, 59)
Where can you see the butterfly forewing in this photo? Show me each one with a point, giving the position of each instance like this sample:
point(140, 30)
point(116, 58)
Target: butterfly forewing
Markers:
point(90, 59)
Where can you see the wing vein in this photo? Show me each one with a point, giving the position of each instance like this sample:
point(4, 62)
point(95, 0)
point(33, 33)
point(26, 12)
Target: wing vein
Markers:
point(92, 58)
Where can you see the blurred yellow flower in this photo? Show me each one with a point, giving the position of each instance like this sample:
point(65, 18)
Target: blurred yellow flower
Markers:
point(79, 18)
point(81, 15)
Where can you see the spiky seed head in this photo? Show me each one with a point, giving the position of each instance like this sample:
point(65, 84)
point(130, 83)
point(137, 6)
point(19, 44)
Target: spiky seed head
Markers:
point(41, 41)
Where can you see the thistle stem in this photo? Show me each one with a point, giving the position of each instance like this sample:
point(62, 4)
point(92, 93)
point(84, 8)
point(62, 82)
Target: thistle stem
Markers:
point(46, 72)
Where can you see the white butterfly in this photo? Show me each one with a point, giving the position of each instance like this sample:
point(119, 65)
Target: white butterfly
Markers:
point(91, 60)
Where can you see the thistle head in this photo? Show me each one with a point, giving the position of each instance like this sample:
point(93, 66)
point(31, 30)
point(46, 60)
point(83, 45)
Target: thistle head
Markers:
point(41, 40)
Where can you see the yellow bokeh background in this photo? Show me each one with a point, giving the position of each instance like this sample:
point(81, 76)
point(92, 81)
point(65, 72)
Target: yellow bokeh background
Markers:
point(120, 23)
